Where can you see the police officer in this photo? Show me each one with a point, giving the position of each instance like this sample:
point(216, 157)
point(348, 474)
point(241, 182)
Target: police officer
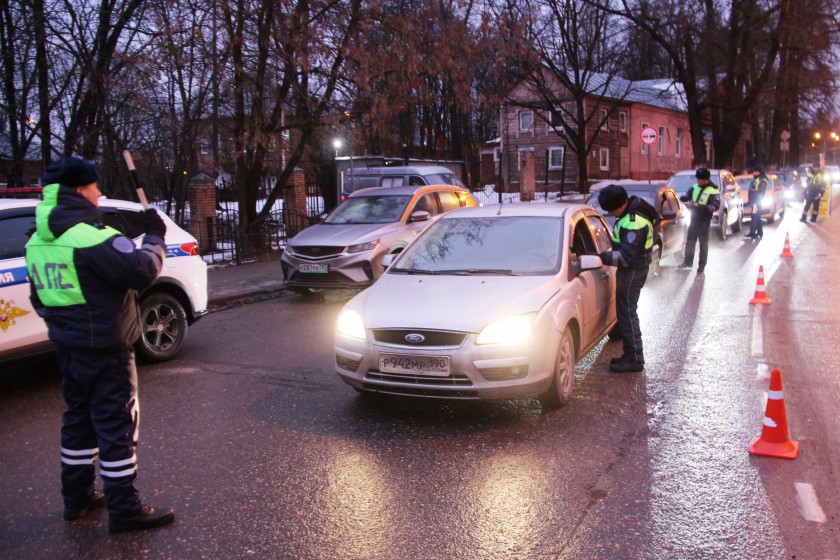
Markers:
point(703, 199)
point(814, 192)
point(83, 280)
point(756, 195)
point(632, 241)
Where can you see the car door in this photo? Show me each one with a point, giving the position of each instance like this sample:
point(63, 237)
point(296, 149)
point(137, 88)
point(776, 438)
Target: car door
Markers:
point(20, 327)
point(673, 231)
point(596, 287)
point(731, 197)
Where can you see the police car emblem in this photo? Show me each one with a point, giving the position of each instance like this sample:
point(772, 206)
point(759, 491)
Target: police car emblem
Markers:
point(414, 338)
point(8, 314)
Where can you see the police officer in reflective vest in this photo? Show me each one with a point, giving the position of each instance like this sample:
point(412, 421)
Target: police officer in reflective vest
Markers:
point(632, 241)
point(758, 188)
point(813, 192)
point(703, 199)
point(83, 279)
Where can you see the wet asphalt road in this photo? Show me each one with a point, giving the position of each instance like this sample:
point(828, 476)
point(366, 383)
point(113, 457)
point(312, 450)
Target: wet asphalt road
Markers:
point(265, 453)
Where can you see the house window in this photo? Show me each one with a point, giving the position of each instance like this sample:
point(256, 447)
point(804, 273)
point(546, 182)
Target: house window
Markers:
point(497, 153)
point(661, 141)
point(555, 157)
point(526, 121)
point(555, 120)
point(622, 121)
point(605, 122)
point(645, 147)
point(679, 142)
point(204, 146)
point(605, 159)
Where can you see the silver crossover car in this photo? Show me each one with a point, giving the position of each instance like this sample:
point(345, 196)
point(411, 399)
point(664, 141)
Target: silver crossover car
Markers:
point(345, 250)
point(491, 302)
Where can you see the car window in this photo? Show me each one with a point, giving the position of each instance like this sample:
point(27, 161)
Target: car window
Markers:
point(449, 200)
point(369, 210)
point(582, 241)
point(427, 203)
point(670, 203)
point(416, 181)
point(601, 231)
point(128, 222)
point(393, 181)
point(15, 231)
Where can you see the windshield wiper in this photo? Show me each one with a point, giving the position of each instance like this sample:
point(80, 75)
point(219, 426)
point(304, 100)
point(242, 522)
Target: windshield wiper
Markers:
point(479, 271)
point(412, 271)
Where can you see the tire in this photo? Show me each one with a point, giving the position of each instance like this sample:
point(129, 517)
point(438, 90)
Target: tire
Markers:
point(560, 391)
point(724, 226)
point(772, 217)
point(655, 261)
point(163, 327)
point(736, 227)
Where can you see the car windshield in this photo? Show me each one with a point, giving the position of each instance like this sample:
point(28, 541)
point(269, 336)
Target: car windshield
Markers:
point(745, 182)
point(509, 245)
point(681, 183)
point(369, 210)
point(647, 196)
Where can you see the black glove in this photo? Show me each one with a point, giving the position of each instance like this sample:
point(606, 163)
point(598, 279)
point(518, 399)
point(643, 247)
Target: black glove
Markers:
point(154, 224)
point(685, 198)
point(605, 258)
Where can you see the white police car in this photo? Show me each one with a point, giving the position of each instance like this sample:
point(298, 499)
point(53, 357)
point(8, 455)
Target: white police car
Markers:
point(176, 299)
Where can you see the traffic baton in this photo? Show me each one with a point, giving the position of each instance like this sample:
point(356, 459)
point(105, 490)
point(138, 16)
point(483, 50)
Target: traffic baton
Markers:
point(132, 171)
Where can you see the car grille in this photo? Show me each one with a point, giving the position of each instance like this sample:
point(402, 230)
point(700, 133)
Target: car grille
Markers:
point(457, 380)
point(421, 386)
point(328, 278)
point(317, 251)
point(431, 338)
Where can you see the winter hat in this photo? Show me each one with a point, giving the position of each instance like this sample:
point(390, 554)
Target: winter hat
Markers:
point(612, 197)
point(703, 173)
point(71, 172)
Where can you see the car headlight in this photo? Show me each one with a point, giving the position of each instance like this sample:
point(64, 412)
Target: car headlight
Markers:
point(513, 330)
point(362, 247)
point(766, 202)
point(350, 324)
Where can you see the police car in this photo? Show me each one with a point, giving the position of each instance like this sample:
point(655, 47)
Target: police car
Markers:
point(176, 300)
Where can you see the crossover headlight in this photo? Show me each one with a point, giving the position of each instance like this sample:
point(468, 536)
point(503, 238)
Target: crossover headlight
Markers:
point(513, 330)
point(350, 324)
point(362, 247)
point(766, 202)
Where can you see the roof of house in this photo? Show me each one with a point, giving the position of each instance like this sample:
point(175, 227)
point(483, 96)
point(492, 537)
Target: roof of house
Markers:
point(663, 93)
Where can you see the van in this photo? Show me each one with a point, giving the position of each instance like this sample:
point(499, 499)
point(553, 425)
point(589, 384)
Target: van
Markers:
point(396, 176)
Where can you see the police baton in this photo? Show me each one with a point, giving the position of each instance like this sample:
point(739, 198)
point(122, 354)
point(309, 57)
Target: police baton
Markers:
point(132, 171)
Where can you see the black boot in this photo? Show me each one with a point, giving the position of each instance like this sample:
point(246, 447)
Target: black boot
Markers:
point(147, 518)
point(97, 500)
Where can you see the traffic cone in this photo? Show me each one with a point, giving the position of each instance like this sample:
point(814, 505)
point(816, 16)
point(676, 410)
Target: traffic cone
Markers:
point(760, 295)
point(786, 252)
point(774, 440)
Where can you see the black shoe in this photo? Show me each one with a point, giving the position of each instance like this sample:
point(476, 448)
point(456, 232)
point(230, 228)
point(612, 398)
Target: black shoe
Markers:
point(749, 236)
point(802, 219)
point(813, 220)
point(701, 270)
point(147, 518)
point(97, 500)
point(617, 360)
point(684, 265)
point(626, 366)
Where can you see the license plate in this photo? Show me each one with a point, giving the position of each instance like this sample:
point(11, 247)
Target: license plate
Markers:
point(414, 365)
point(314, 268)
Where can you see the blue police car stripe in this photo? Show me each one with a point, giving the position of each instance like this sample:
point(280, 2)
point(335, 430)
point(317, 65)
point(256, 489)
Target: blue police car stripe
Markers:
point(175, 251)
point(13, 276)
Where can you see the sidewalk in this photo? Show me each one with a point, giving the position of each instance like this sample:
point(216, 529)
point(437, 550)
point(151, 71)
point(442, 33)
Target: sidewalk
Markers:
point(229, 285)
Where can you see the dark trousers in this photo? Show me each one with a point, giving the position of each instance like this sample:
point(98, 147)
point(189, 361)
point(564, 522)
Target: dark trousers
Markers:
point(811, 201)
point(699, 229)
point(629, 282)
point(101, 420)
point(756, 227)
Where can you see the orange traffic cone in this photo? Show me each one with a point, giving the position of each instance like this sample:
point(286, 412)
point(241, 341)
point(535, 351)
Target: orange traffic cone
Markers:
point(774, 440)
point(760, 295)
point(786, 252)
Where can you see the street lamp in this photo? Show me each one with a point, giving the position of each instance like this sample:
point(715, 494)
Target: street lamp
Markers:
point(337, 143)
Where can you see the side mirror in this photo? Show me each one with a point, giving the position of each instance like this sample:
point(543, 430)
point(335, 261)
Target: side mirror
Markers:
point(590, 262)
point(729, 188)
point(669, 214)
point(389, 259)
point(419, 216)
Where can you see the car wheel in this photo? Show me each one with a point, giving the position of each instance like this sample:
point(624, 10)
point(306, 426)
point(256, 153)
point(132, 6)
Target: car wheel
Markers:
point(308, 292)
point(163, 326)
point(655, 260)
point(560, 391)
point(772, 217)
point(724, 226)
point(782, 211)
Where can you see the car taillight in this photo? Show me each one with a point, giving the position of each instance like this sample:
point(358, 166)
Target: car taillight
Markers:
point(190, 248)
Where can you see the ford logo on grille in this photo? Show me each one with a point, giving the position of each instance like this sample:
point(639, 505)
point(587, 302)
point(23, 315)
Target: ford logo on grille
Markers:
point(414, 338)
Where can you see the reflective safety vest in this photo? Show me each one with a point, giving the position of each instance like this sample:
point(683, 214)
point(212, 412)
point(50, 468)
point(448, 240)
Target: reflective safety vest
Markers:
point(754, 186)
point(633, 221)
point(52, 268)
point(701, 195)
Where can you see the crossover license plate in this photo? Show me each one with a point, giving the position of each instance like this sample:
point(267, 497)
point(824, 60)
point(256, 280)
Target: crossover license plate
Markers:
point(414, 365)
point(314, 268)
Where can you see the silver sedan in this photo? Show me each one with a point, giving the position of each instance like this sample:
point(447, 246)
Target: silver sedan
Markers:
point(491, 302)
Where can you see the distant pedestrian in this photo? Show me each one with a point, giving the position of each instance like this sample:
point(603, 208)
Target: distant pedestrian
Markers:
point(632, 241)
point(814, 191)
point(703, 199)
point(83, 276)
point(758, 188)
